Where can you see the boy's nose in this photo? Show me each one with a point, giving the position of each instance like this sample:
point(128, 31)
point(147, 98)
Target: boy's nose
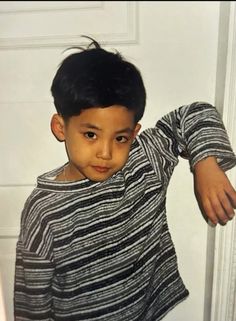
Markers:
point(105, 151)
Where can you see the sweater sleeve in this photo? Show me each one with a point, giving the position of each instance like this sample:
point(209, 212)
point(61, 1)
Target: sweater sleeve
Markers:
point(34, 269)
point(194, 132)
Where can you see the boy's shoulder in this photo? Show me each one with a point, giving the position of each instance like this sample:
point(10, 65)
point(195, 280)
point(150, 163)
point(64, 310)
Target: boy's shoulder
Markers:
point(38, 191)
point(51, 174)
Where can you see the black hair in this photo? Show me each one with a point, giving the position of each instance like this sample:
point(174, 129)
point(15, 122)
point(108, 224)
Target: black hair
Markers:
point(95, 77)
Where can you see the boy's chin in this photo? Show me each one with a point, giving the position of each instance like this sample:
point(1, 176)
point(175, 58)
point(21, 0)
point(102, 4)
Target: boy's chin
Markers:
point(100, 177)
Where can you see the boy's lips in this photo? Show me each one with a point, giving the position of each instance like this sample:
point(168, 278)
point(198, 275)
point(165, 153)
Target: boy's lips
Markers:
point(101, 169)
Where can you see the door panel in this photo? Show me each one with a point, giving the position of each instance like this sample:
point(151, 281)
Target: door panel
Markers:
point(174, 44)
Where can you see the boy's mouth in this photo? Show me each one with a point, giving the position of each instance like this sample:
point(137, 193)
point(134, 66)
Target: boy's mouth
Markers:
point(101, 169)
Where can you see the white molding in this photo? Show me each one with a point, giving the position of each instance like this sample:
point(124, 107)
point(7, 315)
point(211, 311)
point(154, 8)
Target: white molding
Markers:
point(10, 7)
point(224, 278)
point(129, 36)
point(9, 232)
point(17, 185)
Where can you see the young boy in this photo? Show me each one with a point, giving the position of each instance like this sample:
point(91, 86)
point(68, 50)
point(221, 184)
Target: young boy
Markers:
point(94, 242)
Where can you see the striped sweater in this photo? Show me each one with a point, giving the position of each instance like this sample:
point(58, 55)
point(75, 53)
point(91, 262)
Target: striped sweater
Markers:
point(102, 250)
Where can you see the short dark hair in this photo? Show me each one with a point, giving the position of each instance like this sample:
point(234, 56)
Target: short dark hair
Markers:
point(95, 77)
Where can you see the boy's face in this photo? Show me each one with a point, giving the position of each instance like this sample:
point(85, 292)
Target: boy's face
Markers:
point(97, 141)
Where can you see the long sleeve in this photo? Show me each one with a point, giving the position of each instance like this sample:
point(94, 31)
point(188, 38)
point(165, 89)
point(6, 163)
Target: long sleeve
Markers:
point(195, 132)
point(34, 270)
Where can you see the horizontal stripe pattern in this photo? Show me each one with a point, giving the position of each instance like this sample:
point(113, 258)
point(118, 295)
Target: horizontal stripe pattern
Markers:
point(102, 251)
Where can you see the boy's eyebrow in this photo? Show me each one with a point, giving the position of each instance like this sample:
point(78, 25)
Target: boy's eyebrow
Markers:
point(125, 130)
point(91, 126)
point(88, 125)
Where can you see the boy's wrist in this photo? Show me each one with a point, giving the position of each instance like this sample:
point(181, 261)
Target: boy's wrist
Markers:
point(205, 162)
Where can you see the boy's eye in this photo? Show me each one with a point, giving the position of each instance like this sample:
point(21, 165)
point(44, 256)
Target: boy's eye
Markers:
point(90, 135)
point(122, 139)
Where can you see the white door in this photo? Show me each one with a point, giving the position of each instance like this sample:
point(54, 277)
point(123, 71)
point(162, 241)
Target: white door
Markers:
point(174, 44)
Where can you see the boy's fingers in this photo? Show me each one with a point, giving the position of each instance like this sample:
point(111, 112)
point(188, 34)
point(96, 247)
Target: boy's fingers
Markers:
point(231, 193)
point(219, 211)
point(209, 212)
point(227, 205)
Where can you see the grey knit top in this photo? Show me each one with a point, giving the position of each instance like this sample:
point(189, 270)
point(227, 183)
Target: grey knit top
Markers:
point(102, 250)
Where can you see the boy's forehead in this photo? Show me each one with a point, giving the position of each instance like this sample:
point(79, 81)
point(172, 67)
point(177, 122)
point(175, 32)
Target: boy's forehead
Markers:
point(115, 114)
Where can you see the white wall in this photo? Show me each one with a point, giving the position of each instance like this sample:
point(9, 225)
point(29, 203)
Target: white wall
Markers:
point(174, 44)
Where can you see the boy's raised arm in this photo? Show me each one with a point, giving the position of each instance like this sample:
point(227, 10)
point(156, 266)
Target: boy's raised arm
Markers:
point(196, 132)
point(203, 139)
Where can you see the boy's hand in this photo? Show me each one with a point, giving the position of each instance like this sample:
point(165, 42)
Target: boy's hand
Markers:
point(215, 195)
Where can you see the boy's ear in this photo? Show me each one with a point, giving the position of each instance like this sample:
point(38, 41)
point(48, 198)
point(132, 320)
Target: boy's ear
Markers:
point(58, 127)
point(136, 129)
